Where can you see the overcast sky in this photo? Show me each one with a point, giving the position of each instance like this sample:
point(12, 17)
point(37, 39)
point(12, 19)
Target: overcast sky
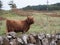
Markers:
point(24, 3)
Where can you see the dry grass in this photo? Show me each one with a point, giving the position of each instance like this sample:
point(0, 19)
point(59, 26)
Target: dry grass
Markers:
point(43, 22)
point(22, 12)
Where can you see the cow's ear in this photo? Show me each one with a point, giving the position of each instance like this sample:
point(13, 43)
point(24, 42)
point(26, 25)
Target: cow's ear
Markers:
point(29, 17)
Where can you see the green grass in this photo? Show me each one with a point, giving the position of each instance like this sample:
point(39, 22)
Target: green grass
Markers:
point(43, 23)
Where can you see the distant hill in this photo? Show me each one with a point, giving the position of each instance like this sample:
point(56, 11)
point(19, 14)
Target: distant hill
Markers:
point(43, 7)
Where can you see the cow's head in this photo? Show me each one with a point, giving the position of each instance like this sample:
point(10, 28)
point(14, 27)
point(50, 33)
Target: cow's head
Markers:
point(30, 19)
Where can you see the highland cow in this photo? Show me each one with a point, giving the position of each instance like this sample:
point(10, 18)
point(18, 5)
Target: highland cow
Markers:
point(19, 25)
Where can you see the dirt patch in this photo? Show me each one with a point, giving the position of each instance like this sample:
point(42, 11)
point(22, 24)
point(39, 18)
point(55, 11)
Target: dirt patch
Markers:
point(52, 14)
point(55, 15)
point(31, 12)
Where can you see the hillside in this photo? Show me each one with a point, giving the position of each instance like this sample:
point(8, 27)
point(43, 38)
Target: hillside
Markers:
point(43, 7)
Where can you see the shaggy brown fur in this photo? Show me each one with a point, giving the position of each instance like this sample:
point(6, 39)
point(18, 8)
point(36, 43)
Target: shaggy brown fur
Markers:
point(20, 25)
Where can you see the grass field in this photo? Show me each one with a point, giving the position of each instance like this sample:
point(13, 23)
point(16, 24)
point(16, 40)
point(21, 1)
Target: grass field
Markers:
point(43, 23)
